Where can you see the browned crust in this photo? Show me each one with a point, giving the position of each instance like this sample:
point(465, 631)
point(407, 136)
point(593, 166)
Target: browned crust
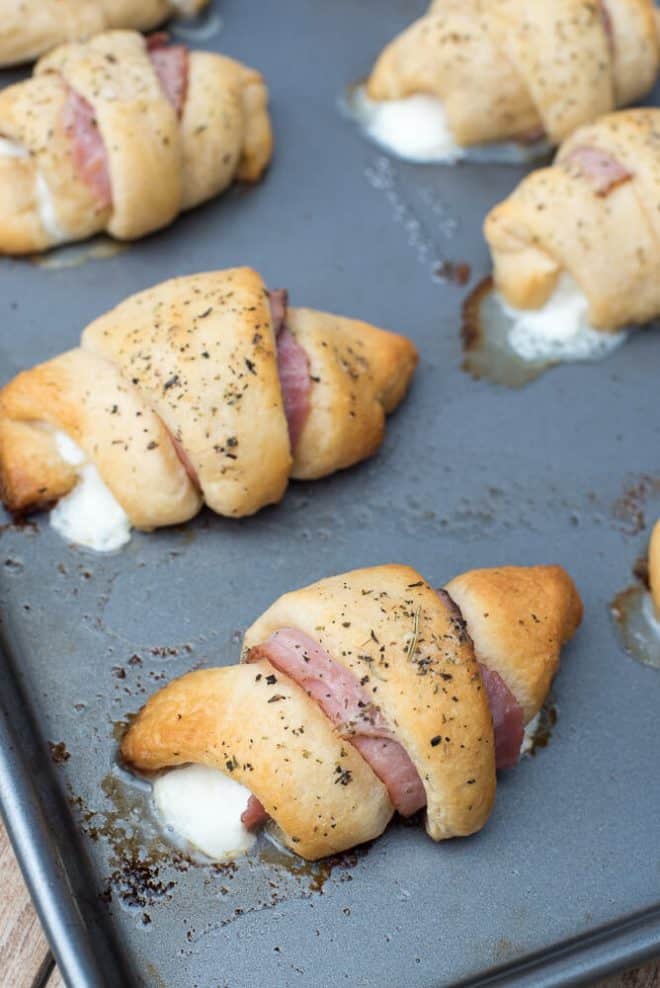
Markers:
point(258, 726)
point(519, 618)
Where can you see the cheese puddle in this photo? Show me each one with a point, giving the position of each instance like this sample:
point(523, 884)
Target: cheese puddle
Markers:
point(89, 515)
point(560, 330)
point(416, 129)
point(45, 203)
point(203, 806)
point(638, 625)
point(512, 346)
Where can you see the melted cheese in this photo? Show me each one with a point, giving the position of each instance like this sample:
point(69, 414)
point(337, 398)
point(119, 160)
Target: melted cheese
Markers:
point(560, 330)
point(45, 203)
point(530, 733)
point(203, 806)
point(415, 128)
point(89, 515)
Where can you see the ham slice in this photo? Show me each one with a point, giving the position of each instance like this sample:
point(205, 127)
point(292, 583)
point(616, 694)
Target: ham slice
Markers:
point(170, 63)
point(89, 155)
point(507, 714)
point(508, 720)
point(347, 705)
point(293, 367)
point(279, 300)
point(608, 24)
point(602, 169)
point(254, 815)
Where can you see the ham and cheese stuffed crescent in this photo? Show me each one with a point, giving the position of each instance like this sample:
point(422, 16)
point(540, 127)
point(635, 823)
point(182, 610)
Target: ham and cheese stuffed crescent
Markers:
point(32, 27)
point(594, 215)
point(364, 694)
point(507, 69)
point(204, 389)
point(121, 134)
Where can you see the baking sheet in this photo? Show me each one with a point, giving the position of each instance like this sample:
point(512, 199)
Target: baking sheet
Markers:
point(563, 885)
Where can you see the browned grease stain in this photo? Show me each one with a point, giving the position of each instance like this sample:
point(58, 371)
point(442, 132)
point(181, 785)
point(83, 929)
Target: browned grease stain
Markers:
point(629, 510)
point(73, 255)
point(487, 353)
point(458, 272)
point(58, 752)
point(548, 717)
point(141, 858)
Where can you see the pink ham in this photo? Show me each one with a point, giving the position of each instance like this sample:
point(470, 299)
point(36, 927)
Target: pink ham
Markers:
point(170, 64)
point(254, 815)
point(89, 155)
point(507, 714)
point(508, 721)
point(279, 300)
point(608, 24)
point(347, 704)
point(79, 120)
point(601, 168)
point(293, 367)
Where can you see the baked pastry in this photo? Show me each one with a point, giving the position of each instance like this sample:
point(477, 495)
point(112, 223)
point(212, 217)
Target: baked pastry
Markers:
point(206, 388)
point(519, 69)
point(370, 692)
point(594, 215)
point(32, 27)
point(122, 134)
point(654, 568)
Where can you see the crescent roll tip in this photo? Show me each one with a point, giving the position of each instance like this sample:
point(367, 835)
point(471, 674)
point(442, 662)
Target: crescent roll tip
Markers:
point(519, 618)
point(319, 792)
point(588, 216)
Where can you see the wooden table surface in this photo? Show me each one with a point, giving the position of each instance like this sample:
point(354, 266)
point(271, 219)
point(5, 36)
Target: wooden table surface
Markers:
point(26, 961)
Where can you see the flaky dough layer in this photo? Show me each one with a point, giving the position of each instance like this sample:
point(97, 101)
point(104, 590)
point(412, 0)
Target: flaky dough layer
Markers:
point(411, 651)
point(519, 618)
point(159, 163)
point(257, 726)
point(32, 27)
point(508, 68)
point(560, 220)
point(199, 355)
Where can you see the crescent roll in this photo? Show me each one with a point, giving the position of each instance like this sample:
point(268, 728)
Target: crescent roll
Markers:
point(506, 69)
point(32, 27)
point(364, 694)
point(121, 134)
point(206, 388)
point(595, 215)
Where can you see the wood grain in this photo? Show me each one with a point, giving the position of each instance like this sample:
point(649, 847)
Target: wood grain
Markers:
point(26, 962)
point(24, 954)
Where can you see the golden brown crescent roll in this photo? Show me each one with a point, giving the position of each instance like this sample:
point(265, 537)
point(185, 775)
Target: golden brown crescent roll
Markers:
point(594, 214)
point(505, 69)
point(519, 619)
point(122, 134)
point(32, 27)
point(654, 567)
point(206, 387)
point(376, 666)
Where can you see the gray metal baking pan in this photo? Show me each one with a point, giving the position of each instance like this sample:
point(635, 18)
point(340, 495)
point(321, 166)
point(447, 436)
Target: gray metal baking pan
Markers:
point(563, 885)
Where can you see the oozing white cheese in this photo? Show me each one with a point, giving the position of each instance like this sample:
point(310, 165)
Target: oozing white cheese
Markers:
point(47, 212)
point(559, 330)
point(529, 735)
point(415, 128)
point(45, 204)
point(204, 806)
point(11, 149)
point(89, 515)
